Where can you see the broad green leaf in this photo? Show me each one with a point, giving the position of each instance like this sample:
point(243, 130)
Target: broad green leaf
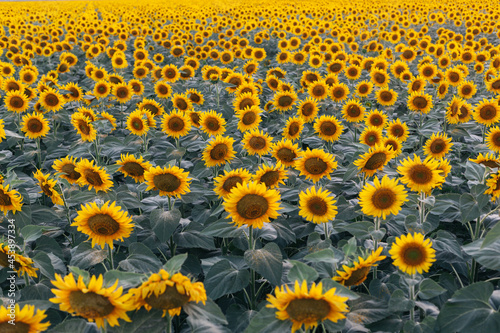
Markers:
point(43, 262)
point(208, 312)
point(84, 256)
point(339, 289)
point(492, 236)
point(33, 232)
point(469, 310)
point(141, 321)
point(366, 310)
point(164, 223)
point(125, 279)
point(399, 302)
point(267, 262)
point(469, 208)
point(300, 272)
point(175, 263)
point(77, 272)
point(429, 289)
point(361, 230)
point(222, 229)
point(265, 321)
point(223, 278)
point(487, 256)
point(36, 292)
point(140, 260)
point(194, 238)
point(71, 325)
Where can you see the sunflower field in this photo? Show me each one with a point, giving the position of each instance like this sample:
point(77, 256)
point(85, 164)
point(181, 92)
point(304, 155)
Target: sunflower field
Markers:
point(250, 166)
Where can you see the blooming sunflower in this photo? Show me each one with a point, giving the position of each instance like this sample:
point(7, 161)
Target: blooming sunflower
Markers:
point(176, 124)
point(182, 102)
point(420, 176)
point(132, 166)
point(328, 128)
point(411, 253)
point(244, 100)
point(163, 89)
point(92, 302)
point(51, 100)
point(152, 106)
point(66, 166)
point(9, 200)
point(167, 292)
point(317, 205)
point(386, 96)
point(284, 100)
point(353, 111)
point(2, 130)
point(437, 146)
point(286, 152)
point(102, 89)
point(256, 142)
point(218, 151)
point(493, 139)
point(454, 76)
point(339, 92)
point(226, 182)
point(122, 92)
point(21, 264)
point(271, 176)
point(364, 88)
point(466, 89)
point(252, 204)
point(398, 129)
point(375, 159)
point(493, 183)
point(357, 273)
point(453, 110)
point(92, 175)
point(318, 90)
point(293, 128)
point(83, 126)
point(16, 101)
point(393, 143)
point(47, 186)
point(489, 160)
point(493, 84)
point(34, 125)
point(371, 136)
point(487, 112)
point(171, 181)
point(382, 198)
point(316, 164)
point(212, 123)
point(137, 123)
point(307, 307)
point(26, 319)
point(249, 118)
point(308, 109)
point(420, 102)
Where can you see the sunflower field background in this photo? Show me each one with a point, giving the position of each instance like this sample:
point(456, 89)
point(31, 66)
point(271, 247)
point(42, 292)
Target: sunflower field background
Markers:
point(250, 166)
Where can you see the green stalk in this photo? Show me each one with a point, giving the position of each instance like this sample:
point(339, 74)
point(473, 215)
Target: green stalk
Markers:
point(39, 153)
point(110, 256)
point(252, 272)
point(375, 244)
point(169, 323)
point(412, 298)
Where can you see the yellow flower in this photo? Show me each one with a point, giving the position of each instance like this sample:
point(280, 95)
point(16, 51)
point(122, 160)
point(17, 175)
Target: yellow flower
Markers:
point(420, 176)
point(355, 275)
point(411, 253)
point(66, 166)
point(316, 164)
point(386, 96)
point(92, 175)
point(371, 136)
point(375, 159)
point(16, 101)
point(51, 100)
point(34, 125)
point(398, 129)
point(437, 146)
point(249, 118)
point(489, 160)
point(420, 102)
point(171, 181)
point(218, 151)
point(21, 264)
point(284, 100)
point(9, 200)
point(212, 123)
point(133, 167)
point(47, 186)
point(293, 128)
point(487, 112)
point(176, 124)
point(382, 198)
point(137, 123)
point(83, 126)
point(317, 205)
point(353, 111)
point(226, 182)
point(286, 152)
point(308, 109)
point(26, 318)
point(256, 142)
point(271, 176)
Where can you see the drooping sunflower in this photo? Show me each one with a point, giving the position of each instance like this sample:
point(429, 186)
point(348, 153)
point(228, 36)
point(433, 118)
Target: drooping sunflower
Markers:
point(489, 160)
point(286, 152)
point(356, 274)
point(9, 200)
point(398, 129)
point(92, 302)
point(167, 292)
point(386, 96)
point(493, 139)
point(316, 164)
point(137, 123)
point(249, 118)
point(66, 166)
point(252, 204)
point(92, 175)
point(420, 176)
point(25, 317)
point(270, 175)
point(339, 92)
point(308, 109)
point(371, 136)
point(364, 88)
point(256, 142)
point(382, 198)
point(132, 166)
point(226, 182)
point(328, 128)
point(293, 128)
point(17, 262)
point(218, 151)
point(318, 90)
point(212, 123)
point(437, 146)
point(487, 112)
point(353, 111)
point(34, 125)
point(176, 124)
point(16, 101)
point(284, 100)
point(83, 126)
point(411, 253)
point(103, 224)
point(47, 186)
point(493, 183)
point(171, 181)
point(317, 205)
point(307, 307)
point(375, 159)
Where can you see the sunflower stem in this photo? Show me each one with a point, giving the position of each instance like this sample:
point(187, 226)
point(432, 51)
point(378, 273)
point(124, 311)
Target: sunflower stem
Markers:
point(421, 208)
point(39, 153)
point(145, 143)
point(375, 244)
point(325, 227)
point(27, 279)
point(412, 297)
point(252, 272)
point(169, 323)
point(110, 256)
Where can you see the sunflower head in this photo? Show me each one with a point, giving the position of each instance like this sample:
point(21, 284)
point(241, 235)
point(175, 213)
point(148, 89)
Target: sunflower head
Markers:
point(218, 151)
point(411, 253)
point(316, 164)
point(26, 319)
point(356, 273)
point(420, 176)
point(317, 205)
point(382, 198)
point(171, 181)
point(438, 146)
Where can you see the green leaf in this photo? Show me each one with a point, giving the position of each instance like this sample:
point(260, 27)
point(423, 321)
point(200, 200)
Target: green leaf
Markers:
point(43, 262)
point(33, 232)
point(265, 321)
point(222, 228)
point(360, 230)
point(399, 302)
point(164, 223)
point(71, 325)
point(324, 256)
point(125, 279)
point(366, 310)
point(84, 256)
point(223, 278)
point(194, 238)
point(339, 289)
point(210, 312)
point(474, 171)
point(492, 236)
point(35, 292)
point(140, 260)
point(175, 263)
point(486, 256)
point(300, 272)
point(469, 208)
point(429, 289)
point(267, 262)
point(469, 310)
point(80, 272)
point(141, 321)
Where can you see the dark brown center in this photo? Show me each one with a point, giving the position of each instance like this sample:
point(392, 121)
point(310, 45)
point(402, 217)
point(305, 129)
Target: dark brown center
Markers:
point(133, 168)
point(318, 91)
point(328, 128)
point(169, 299)
point(166, 182)
point(386, 96)
point(252, 206)
point(383, 198)
point(293, 129)
point(93, 177)
point(488, 112)
point(375, 161)
point(420, 102)
point(353, 111)
point(270, 178)
point(69, 170)
point(286, 155)
point(51, 100)
point(420, 174)
point(413, 255)
point(90, 305)
point(175, 124)
point(317, 206)
point(231, 182)
point(181, 104)
point(285, 101)
point(219, 152)
point(308, 310)
point(103, 224)
point(19, 327)
point(437, 146)
point(315, 166)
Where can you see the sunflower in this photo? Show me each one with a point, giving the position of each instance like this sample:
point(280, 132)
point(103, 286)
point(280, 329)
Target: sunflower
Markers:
point(353, 111)
point(2, 130)
point(252, 204)
point(171, 73)
point(102, 89)
point(256, 142)
point(75, 92)
point(328, 128)
point(163, 89)
point(493, 139)
point(92, 302)
point(66, 167)
point(375, 159)
point(92, 175)
point(335, 66)
point(379, 77)
point(176, 124)
point(218, 151)
point(271, 176)
point(212, 123)
point(371, 136)
point(286, 152)
point(122, 92)
point(171, 181)
point(34, 125)
point(284, 100)
point(137, 123)
point(493, 183)
point(308, 109)
point(420, 102)
point(16, 101)
point(420, 176)
point(453, 110)
point(442, 90)
point(398, 129)
point(411, 253)
point(393, 143)
point(26, 318)
point(234, 79)
point(293, 128)
point(83, 126)
point(386, 97)
point(382, 198)
point(316, 164)
point(167, 292)
point(357, 273)
point(364, 88)
point(417, 85)
point(210, 71)
point(487, 112)
point(195, 96)
point(466, 89)
point(151, 106)
point(428, 71)
point(437, 146)
point(454, 76)
point(489, 160)
point(51, 100)
point(317, 205)
point(182, 102)
point(376, 118)
point(133, 167)
point(251, 67)
point(47, 186)
point(137, 87)
point(249, 118)
point(307, 307)
point(16, 262)
point(318, 90)
point(493, 84)
point(225, 183)
point(339, 92)
point(352, 72)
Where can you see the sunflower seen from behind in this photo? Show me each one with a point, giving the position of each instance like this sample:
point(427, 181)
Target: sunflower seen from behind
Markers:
point(317, 205)
point(356, 273)
point(27, 319)
point(384, 197)
point(170, 181)
point(316, 164)
point(412, 253)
